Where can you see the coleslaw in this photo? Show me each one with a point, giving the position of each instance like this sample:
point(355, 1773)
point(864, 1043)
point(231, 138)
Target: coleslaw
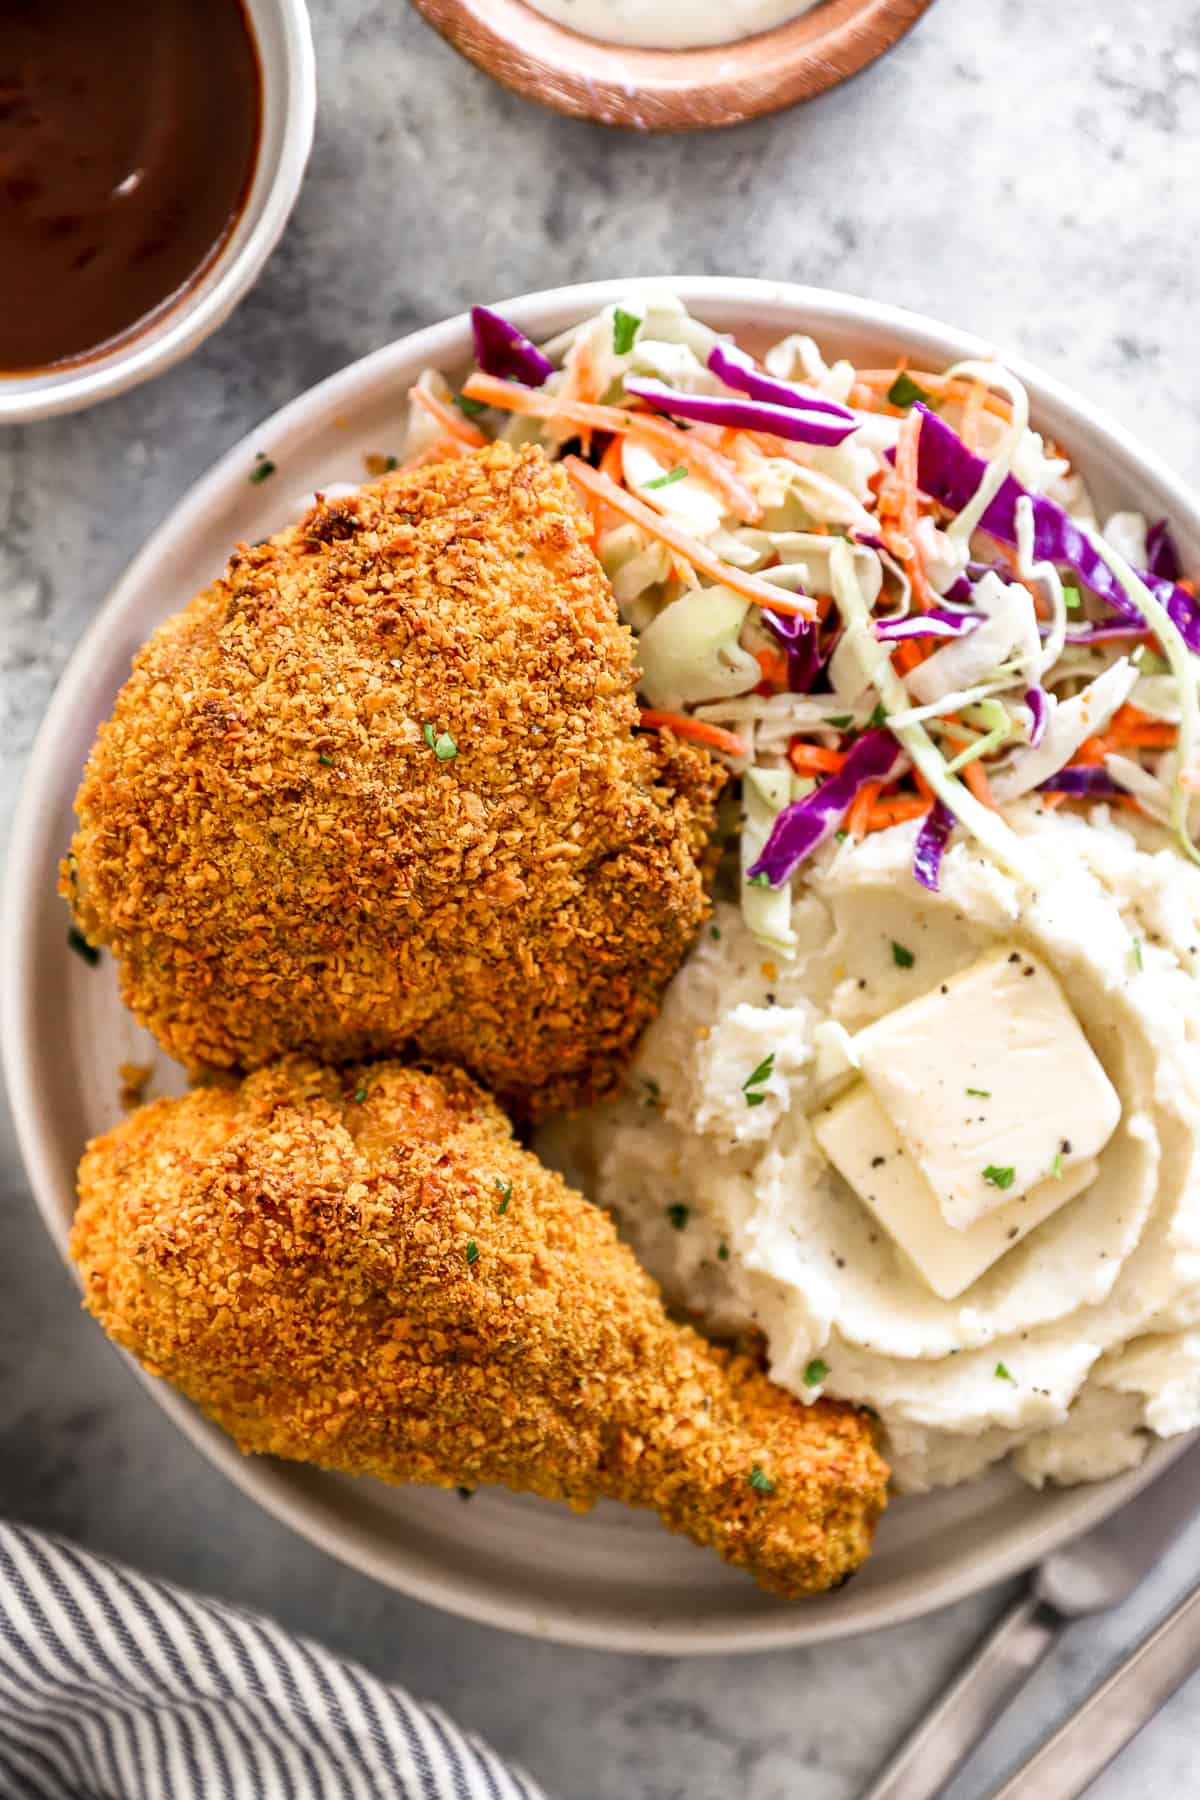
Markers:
point(878, 594)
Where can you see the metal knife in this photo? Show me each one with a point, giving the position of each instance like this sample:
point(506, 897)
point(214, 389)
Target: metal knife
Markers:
point(1069, 1761)
point(1096, 1572)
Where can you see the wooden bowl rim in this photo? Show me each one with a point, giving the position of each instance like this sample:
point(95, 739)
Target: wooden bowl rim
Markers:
point(671, 90)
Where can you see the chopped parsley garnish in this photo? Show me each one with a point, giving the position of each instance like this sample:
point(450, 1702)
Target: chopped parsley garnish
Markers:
point(504, 1189)
point(1002, 1374)
point(653, 1091)
point(661, 481)
point(879, 716)
point(999, 1178)
point(722, 1252)
point(762, 1484)
point(1072, 599)
point(816, 1372)
point(625, 327)
point(360, 1095)
point(842, 721)
point(465, 1493)
point(980, 1093)
point(714, 932)
point(440, 742)
point(81, 947)
point(1135, 955)
point(903, 959)
point(327, 760)
point(678, 1216)
point(1056, 1167)
point(904, 391)
point(390, 463)
point(263, 468)
point(761, 880)
point(472, 1253)
point(755, 1079)
point(472, 408)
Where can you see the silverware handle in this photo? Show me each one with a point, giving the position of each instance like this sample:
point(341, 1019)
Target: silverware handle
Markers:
point(942, 1742)
point(1067, 1765)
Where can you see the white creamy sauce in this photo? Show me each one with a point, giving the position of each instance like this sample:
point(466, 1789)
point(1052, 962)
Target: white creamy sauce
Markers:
point(671, 24)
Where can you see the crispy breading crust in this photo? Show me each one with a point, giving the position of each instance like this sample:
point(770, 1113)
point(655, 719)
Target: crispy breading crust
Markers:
point(362, 1269)
point(280, 859)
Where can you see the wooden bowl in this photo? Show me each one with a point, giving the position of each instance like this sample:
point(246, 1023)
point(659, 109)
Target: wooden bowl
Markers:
point(671, 90)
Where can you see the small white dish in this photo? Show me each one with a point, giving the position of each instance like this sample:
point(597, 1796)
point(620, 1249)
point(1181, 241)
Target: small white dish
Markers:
point(289, 102)
point(613, 1579)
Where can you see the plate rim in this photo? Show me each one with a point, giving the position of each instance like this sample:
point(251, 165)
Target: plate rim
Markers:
point(260, 1479)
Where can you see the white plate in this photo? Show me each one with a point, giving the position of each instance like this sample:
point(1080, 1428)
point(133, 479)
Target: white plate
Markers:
point(613, 1579)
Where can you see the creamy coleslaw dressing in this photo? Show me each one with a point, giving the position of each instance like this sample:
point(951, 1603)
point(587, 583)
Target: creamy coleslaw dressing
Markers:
point(671, 24)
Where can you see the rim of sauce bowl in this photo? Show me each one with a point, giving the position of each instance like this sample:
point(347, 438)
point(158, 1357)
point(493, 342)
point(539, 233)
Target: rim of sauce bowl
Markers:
point(671, 90)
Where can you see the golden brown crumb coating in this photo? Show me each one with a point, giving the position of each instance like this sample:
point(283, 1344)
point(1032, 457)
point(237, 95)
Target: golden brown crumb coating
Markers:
point(362, 1269)
point(379, 788)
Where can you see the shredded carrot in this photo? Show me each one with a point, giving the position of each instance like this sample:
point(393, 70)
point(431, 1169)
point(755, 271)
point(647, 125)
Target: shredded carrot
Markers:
point(969, 429)
point(977, 781)
point(907, 654)
point(1188, 585)
point(896, 811)
point(1128, 729)
point(950, 387)
point(774, 666)
point(811, 759)
point(684, 446)
point(451, 421)
point(610, 462)
point(585, 372)
point(684, 726)
point(751, 587)
point(861, 807)
point(863, 398)
point(973, 772)
point(907, 444)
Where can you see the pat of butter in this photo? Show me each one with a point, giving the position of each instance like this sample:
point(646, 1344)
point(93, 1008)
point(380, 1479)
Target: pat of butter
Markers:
point(990, 1084)
point(858, 1138)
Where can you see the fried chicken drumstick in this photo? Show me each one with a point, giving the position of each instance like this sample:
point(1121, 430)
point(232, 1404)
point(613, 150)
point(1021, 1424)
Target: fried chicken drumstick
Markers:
point(361, 1268)
point(379, 790)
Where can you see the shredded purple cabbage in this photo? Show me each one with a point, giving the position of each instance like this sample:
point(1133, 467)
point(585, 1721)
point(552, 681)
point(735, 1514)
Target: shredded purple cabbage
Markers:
point(801, 641)
point(805, 825)
point(737, 370)
point(1039, 706)
point(741, 415)
point(500, 349)
point(960, 591)
point(1098, 634)
point(935, 830)
point(1092, 779)
point(938, 622)
point(1162, 555)
point(951, 473)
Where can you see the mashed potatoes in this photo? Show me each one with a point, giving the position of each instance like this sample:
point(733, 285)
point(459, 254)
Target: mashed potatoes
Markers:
point(1079, 1341)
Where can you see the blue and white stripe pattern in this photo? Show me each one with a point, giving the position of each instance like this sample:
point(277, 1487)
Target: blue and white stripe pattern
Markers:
point(117, 1687)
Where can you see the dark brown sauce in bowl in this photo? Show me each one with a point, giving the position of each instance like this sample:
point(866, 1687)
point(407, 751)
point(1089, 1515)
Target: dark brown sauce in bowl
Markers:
point(129, 133)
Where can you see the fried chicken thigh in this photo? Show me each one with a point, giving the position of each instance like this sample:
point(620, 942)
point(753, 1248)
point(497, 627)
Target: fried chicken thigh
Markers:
point(379, 789)
point(361, 1268)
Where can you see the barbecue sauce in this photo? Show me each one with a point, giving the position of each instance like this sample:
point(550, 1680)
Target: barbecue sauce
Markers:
point(128, 138)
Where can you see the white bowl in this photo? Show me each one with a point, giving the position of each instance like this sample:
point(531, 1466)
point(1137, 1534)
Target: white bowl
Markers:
point(289, 103)
point(615, 1579)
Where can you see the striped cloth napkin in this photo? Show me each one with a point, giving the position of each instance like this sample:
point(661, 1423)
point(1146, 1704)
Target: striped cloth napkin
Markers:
point(117, 1687)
